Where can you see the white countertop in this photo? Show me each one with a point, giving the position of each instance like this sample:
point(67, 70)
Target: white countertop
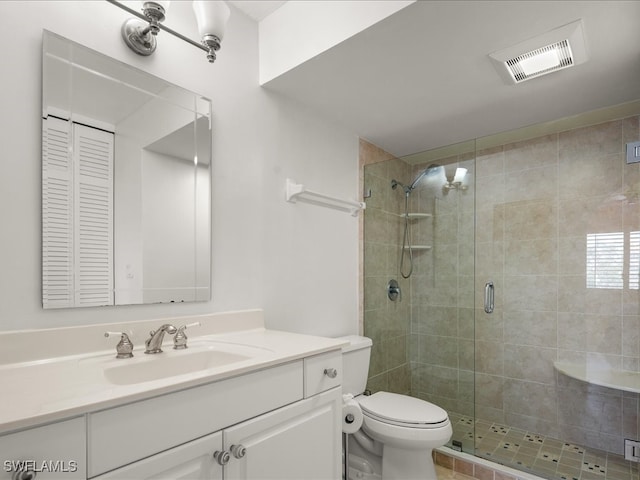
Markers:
point(41, 390)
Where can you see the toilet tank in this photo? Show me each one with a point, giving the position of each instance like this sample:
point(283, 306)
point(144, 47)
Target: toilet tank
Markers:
point(355, 364)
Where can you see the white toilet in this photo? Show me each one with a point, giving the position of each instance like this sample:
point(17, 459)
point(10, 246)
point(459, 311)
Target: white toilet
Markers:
point(398, 432)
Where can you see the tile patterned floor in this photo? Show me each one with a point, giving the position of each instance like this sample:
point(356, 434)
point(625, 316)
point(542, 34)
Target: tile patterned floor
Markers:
point(542, 456)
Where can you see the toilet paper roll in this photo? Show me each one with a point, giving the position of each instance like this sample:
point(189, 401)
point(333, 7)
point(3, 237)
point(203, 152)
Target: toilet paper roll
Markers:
point(351, 416)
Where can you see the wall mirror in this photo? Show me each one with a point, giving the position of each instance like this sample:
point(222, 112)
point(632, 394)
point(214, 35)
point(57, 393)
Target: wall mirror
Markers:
point(126, 183)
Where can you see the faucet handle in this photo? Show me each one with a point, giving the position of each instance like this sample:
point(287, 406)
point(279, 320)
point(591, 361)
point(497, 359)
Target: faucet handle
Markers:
point(180, 338)
point(124, 349)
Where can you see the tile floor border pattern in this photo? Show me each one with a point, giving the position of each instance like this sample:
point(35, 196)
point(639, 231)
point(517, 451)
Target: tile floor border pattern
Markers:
point(530, 453)
point(452, 464)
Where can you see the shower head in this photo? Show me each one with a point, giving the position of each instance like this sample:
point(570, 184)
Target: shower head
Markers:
point(430, 170)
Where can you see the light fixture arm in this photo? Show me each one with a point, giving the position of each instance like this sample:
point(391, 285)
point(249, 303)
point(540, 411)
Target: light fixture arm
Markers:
point(157, 26)
point(212, 42)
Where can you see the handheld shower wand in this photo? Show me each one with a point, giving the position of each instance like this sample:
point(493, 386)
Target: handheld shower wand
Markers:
point(406, 238)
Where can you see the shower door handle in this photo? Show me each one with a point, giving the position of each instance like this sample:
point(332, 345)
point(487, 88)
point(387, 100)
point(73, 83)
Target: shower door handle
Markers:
point(488, 297)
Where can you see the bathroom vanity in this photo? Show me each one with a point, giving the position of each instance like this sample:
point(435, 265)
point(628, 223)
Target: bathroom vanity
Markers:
point(241, 402)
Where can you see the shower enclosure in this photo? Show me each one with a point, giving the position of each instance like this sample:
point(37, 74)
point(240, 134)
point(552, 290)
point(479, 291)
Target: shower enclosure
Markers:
point(525, 259)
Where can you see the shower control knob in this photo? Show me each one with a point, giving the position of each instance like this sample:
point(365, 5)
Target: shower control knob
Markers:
point(222, 457)
point(238, 451)
point(331, 372)
point(393, 290)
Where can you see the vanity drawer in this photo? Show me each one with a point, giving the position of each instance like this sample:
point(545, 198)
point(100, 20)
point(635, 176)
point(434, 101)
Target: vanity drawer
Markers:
point(322, 372)
point(55, 451)
point(125, 434)
point(191, 460)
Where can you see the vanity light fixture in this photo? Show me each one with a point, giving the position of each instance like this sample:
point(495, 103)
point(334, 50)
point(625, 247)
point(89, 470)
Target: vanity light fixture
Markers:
point(212, 18)
point(456, 182)
point(140, 33)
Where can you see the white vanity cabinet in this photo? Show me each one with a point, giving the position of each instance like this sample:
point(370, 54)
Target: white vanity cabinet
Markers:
point(243, 403)
point(296, 442)
point(128, 433)
point(280, 423)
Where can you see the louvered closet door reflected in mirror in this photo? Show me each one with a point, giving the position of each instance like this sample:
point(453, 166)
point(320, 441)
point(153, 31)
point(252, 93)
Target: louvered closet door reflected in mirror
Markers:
point(77, 215)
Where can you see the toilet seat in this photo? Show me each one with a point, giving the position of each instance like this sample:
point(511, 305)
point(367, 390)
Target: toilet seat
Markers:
point(402, 410)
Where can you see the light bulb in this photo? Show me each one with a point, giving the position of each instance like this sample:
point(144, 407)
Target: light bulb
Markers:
point(212, 17)
point(460, 174)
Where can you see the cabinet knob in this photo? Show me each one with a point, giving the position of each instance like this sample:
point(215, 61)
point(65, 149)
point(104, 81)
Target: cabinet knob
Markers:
point(222, 457)
point(331, 372)
point(238, 451)
point(21, 474)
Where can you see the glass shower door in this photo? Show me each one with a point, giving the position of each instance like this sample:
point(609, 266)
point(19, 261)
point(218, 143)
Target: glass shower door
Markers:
point(442, 308)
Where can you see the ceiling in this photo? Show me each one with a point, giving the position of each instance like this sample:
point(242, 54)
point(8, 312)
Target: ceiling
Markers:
point(257, 9)
point(422, 78)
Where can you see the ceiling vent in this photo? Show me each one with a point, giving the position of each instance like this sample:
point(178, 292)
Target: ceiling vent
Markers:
point(556, 50)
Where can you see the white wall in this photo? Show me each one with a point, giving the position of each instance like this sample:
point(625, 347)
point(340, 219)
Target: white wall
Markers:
point(298, 31)
point(299, 262)
point(168, 232)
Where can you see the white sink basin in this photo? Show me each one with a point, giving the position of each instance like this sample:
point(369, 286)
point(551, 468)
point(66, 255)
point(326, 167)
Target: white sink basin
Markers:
point(170, 363)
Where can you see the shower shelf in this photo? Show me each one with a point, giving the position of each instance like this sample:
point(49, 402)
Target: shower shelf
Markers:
point(419, 247)
point(627, 381)
point(297, 191)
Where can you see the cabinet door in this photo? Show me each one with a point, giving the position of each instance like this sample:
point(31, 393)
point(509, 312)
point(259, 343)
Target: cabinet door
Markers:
point(298, 442)
point(192, 461)
point(55, 451)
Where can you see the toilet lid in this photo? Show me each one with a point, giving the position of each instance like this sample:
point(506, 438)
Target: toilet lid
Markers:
point(402, 410)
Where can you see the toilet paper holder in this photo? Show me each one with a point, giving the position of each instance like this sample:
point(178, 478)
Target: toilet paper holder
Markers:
point(352, 416)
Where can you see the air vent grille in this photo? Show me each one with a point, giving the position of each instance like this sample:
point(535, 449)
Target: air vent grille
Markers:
point(559, 53)
point(556, 50)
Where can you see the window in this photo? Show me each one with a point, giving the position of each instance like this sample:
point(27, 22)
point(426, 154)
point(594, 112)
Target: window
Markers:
point(606, 260)
point(634, 260)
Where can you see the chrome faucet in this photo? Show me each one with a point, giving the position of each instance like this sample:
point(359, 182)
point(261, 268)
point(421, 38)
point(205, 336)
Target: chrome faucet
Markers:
point(154, 342)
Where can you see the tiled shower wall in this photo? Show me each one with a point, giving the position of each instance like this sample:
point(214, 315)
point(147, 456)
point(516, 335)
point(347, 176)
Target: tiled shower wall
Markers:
point(536, 201)
point(387, 323)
